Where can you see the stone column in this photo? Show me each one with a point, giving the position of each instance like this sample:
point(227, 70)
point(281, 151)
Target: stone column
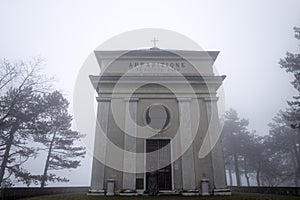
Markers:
point(97, 182)
point(129, 162)
point(214, 131)
point(186, 138)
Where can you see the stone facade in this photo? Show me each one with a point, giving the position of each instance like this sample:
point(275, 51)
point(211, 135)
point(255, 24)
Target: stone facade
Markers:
point(131, 87)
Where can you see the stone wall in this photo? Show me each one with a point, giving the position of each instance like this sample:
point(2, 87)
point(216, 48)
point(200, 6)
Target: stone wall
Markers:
point(24, 192)
point(267, 190)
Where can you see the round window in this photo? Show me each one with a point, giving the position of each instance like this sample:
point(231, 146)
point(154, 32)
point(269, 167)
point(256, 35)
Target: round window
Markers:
point(157, 117)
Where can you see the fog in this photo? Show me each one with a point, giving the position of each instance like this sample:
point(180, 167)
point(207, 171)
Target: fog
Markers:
point(251, 36)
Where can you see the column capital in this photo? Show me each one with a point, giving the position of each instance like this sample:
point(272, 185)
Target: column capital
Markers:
point(210, 99)
point(184, 99)
point(134, 99)
point(103, 99)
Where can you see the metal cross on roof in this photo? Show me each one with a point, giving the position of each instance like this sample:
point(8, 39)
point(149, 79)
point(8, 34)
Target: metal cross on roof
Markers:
point(154, 42)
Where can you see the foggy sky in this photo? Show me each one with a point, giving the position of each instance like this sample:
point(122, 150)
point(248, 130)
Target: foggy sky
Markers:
point(251, 35)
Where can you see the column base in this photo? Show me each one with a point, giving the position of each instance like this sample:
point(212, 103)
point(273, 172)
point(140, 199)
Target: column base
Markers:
point(168, 193)
point(110, 194)
point(128, 193)
point(96, 193)
point(190, 193)
point(205, 194)
point(222, 192)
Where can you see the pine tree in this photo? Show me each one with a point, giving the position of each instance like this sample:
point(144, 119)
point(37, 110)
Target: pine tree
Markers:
point(233, 132)
point(54, 132)
point(20, 104)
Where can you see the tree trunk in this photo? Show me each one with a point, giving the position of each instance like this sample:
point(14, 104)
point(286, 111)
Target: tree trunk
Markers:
point(258, 173)
point(9, 143)
point(246, 172)
point(237, 172)
point(44, 177)
point(258, 178)
point(296, 180)
point(230, 174)
point(295, 164)
point(295, 173)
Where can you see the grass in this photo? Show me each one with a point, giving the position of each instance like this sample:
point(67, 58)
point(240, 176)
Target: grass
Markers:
point(236, 196)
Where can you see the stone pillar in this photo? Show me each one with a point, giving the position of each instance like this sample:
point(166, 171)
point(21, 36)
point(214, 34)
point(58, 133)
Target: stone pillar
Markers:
point(214, 131)
point(186, 138)
point(110, 191)
point(204, 187)
point(129, 162)
point(97, 182)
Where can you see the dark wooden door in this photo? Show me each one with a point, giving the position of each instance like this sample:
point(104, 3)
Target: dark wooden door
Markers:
point(159, 157)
